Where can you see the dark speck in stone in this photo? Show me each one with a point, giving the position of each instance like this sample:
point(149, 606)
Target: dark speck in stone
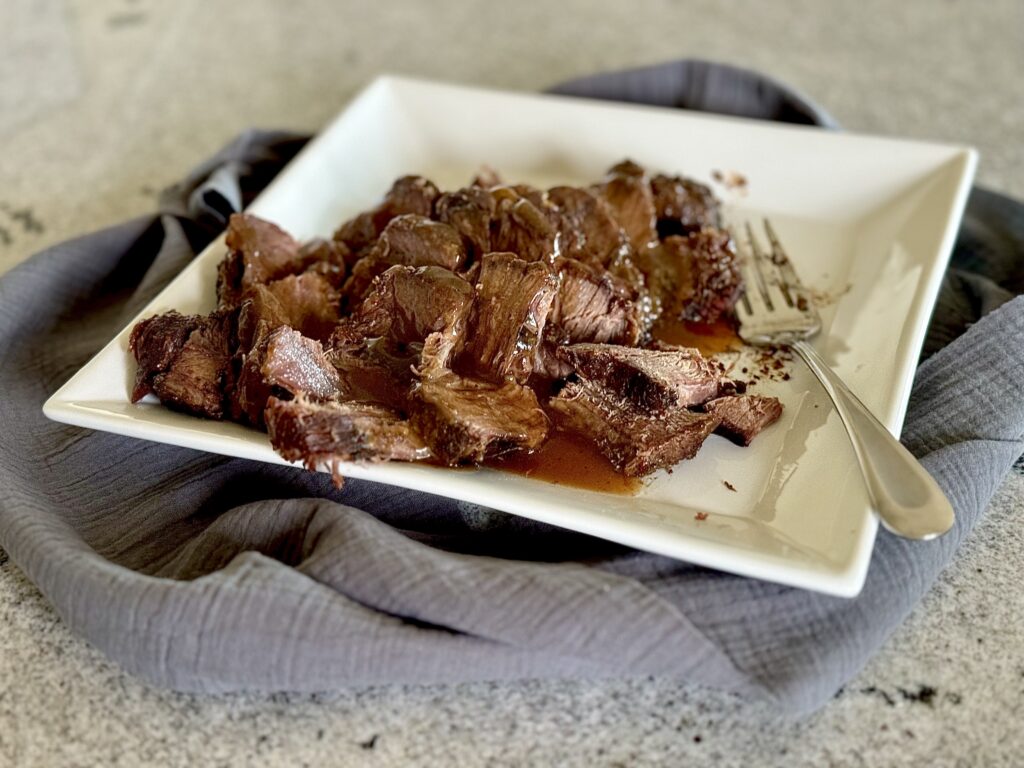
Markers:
point(698, 739)
point(320, 734)
point(370, 743)
point(873, 690)
point(925, 694)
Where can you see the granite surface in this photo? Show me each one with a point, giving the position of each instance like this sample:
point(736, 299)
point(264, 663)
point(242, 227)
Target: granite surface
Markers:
point(88, 138)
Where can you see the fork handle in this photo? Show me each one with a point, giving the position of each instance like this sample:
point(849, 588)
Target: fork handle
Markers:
point(907, 499)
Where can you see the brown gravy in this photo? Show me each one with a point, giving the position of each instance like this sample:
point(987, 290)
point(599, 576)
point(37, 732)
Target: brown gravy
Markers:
point(569, 460)
point(710, 338)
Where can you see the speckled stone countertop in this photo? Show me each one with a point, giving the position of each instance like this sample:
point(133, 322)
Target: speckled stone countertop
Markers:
point(103, 103)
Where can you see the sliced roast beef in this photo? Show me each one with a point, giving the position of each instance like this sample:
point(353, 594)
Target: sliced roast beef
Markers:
point(283, 362)
point(409, 194)
point(591, 305)
point(325, 432)
point(376, 371)
point(683, 205)
point(627, 272)
point(442, 308)
point(521, 228)
point(408, 304)
point(744, 417)
point(194, 380)
point(469, 212)
point(506, 324)
point(258, 252)
point(326, 257)
point(467, 421)
point(654, 380)
point(155, 342)
point(409, 240)
point(307, 302)
point(634, 441)
point(587, 227)
point(695, 277)
point(715, 282)
point(627, 190)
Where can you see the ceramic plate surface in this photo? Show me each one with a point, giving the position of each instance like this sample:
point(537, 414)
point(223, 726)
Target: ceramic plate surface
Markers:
point(869, 222)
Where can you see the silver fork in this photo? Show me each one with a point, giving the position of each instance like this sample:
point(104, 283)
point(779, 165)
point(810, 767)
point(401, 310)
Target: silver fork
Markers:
point(777, 311)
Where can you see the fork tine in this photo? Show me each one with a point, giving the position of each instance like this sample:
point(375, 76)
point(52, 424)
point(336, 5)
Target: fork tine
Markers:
point(757, 260)
point(780, 259)
point(752, 301)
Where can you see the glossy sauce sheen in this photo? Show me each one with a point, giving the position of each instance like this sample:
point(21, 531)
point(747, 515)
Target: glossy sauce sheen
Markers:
point(566, 459)
point(709, 338)
point(570, 460)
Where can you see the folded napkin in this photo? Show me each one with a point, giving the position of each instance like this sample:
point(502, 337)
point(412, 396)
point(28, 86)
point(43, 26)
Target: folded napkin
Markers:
point(205, 573)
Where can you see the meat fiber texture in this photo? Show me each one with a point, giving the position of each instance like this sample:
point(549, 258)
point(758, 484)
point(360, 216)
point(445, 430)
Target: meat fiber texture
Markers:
point(460, 326)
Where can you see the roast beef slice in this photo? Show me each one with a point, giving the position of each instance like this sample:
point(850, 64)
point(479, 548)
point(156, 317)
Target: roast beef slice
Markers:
point(258, 252)
point(307, 303)
point(513, 299)
point(467, 421)
point(409, 240)
point(284, 363)
point(409, 194)
point(744, 417)
point(636, 442)
point(654, 380)
point(318, 432)
point(683, 205)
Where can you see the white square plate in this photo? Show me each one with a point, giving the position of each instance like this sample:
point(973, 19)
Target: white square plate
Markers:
point(869, 220)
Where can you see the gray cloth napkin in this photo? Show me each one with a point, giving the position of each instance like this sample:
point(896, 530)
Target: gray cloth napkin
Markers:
point(205, 573)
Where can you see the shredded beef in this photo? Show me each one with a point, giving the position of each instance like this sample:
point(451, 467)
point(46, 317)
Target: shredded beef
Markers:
point(408, 304)
point(521, 228)
point(591, 305)
point(469, 212)
point(627, 191)
point(155, 342)
point(195, 380)
point(376, 371)
point(587, 227)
